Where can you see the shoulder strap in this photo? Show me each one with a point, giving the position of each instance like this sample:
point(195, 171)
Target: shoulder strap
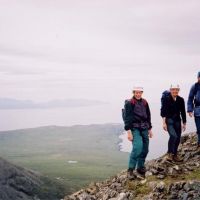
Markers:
point(133, 101)
point(144, 102)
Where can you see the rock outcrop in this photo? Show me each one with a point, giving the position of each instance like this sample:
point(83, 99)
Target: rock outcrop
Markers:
point(17, 183)
point(164, 179)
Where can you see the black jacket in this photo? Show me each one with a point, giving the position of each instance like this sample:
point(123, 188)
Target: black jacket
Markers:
point(174, 109)
point(137, 115)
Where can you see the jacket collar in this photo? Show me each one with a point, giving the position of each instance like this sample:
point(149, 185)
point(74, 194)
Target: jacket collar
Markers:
point(137, 99)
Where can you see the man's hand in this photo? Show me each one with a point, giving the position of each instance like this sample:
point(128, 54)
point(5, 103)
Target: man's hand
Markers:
point(130, 135)
point(190, 114)
point(183, 127)
point(164, 126)
point(150, 133)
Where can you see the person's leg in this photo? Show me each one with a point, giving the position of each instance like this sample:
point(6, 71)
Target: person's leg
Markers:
point(172, 136)
point(136, 150)
point(197, 122)
point(178, 129)
point(145, 149)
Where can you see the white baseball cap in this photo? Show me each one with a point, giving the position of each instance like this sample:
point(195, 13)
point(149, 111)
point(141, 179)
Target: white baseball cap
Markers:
point(174, 86)
point(138, 88)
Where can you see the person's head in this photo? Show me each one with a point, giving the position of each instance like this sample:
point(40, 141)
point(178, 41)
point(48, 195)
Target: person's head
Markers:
point(137, 92)
point(198, 77)
point(174, 90)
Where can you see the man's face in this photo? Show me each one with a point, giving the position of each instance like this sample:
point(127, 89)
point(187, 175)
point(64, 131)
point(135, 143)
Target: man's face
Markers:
point(199, 79)
point(174, 92)
point(137, 94)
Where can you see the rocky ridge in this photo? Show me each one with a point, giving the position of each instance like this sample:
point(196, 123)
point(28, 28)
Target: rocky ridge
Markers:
point(164, 179)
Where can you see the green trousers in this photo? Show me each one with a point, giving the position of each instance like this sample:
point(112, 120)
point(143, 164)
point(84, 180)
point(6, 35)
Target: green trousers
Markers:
point(140, 148)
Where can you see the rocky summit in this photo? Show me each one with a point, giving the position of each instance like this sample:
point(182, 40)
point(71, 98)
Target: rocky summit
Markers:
point(164, 179)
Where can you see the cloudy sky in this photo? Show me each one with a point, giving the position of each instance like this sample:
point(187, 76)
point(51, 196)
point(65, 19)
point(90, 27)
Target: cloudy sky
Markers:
point(57, 49)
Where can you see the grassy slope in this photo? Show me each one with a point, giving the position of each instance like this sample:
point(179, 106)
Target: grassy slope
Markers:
point(48, 150)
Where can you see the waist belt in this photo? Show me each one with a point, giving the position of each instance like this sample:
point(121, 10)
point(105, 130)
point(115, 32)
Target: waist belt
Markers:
point(141, 124)
point(197, 104)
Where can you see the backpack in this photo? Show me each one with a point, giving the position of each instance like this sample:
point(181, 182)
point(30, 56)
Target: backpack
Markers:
point(165, 95)
point(133, 102)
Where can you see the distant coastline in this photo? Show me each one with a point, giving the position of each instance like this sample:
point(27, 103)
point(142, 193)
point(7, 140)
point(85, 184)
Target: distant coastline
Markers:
point(10, 103)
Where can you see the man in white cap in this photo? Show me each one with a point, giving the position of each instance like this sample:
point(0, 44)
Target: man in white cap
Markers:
point(137, 120)
point(173, 112)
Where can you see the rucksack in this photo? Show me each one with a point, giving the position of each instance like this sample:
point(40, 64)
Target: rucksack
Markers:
point(133, 102)
point(165, 95)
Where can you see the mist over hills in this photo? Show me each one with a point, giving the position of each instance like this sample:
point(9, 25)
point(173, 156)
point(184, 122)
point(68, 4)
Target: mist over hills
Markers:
point(10, 103)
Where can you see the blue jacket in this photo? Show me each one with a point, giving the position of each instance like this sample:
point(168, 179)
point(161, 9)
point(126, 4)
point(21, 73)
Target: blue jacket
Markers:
point(193, 104)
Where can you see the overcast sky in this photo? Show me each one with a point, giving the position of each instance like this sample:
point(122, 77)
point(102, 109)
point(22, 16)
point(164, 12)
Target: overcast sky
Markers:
point(97, 49)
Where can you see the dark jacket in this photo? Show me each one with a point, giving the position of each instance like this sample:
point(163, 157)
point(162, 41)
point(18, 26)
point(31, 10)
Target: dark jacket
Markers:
point(194, 99)
point(174, 109)
point(137, 115)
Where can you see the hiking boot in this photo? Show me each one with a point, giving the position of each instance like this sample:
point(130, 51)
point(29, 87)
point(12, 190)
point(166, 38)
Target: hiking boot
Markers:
point(141, 171)
point(139, 176)
point(131, 175)
point(169, 157)
point(198, 147)
point(177, 158)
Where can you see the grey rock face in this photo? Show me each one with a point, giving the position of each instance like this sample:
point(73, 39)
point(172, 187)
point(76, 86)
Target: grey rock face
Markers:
point(16, 182)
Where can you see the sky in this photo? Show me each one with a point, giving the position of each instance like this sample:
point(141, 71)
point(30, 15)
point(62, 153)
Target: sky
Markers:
point(97, 49)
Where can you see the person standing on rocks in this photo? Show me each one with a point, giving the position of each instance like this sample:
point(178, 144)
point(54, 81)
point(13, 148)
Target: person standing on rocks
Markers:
point(173, 112)
point(193, 106)
point(137, 120)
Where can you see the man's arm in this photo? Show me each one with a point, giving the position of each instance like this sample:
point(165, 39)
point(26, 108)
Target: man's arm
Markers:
point(149, 116)
point(149, 121)
point(183, 115)
point(190, 102)
point(183, 112)
point(163, 109)
point(128, 123)
point(128, 116)
point(163, 114)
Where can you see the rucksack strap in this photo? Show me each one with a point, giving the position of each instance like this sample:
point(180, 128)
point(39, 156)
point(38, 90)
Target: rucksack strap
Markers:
point(133, 101)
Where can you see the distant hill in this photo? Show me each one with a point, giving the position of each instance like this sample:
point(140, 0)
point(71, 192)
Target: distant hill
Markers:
point(17, 183)
point(9, 103)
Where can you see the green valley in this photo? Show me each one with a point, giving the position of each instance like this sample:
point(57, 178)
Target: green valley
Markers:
point(74, 156)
